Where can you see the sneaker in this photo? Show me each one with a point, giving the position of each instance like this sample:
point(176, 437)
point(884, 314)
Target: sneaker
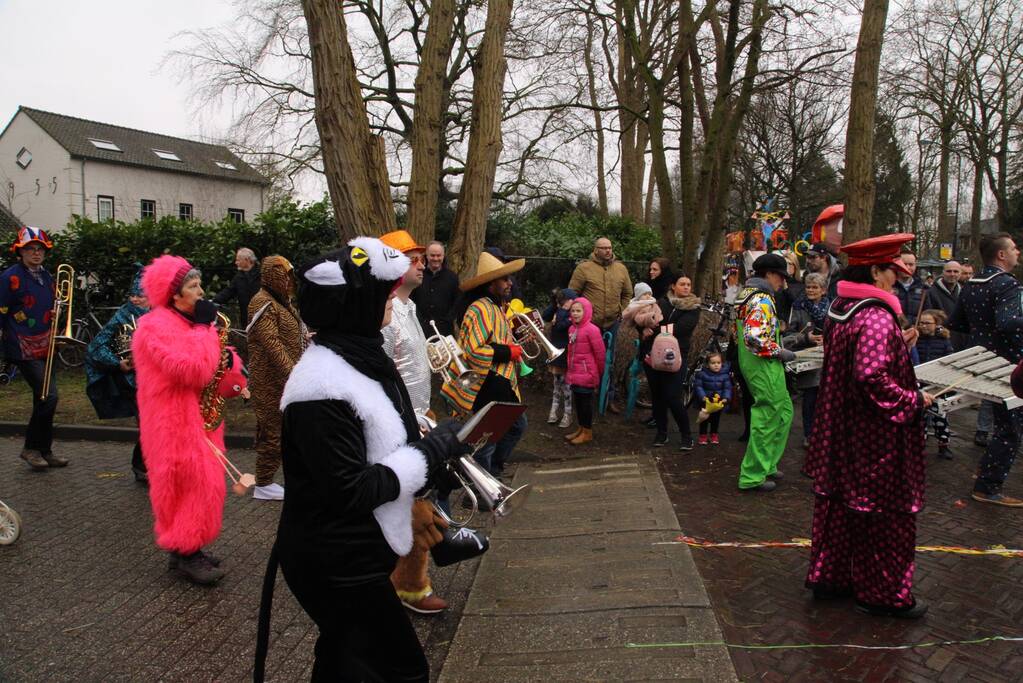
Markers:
point(566, 421)
point(34, 459)
point(552, 417)
point(55, 460)
point(997, 499)
point(914, 611)
point(943, 452)
point(776, 475)
point(268, 492)
point(430, 604)
point(640, 403)
point(765, 486)
point(980, 438)
point(715, 439)
point(197, 569)
point(687, 444)
point(651, 423)
point(660, 440)
point(702, 440)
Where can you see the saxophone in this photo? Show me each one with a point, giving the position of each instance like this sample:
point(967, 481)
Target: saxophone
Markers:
point(211, 403)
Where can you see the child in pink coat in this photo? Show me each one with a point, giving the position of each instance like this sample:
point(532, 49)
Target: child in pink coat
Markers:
point(585, 367)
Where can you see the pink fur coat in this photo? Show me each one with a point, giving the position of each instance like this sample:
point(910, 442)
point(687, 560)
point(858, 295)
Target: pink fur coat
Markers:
point(174, 360)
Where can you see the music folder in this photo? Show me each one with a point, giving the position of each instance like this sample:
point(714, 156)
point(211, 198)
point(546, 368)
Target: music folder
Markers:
point(490, 423)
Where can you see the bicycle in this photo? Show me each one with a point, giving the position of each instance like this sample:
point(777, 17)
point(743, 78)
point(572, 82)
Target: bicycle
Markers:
point(83, 329)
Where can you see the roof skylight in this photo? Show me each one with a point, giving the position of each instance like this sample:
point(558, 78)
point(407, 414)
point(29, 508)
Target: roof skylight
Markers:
point(165, 155)
point(226, 165)
point(104, 145)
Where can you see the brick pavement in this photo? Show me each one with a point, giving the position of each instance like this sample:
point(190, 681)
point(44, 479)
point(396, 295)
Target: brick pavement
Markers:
point(86, 595)
point(758, 594)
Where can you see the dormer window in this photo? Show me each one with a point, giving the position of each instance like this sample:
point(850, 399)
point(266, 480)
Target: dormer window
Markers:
point(105, 145)
point(24, 157)
point(226, 166)
point(165, 155)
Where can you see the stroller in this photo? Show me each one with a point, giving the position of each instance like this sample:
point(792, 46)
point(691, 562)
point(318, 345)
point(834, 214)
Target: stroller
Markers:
point(716, 343)
point(10, 524)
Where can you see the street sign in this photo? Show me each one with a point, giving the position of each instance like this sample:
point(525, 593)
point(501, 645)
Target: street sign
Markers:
point(945, 251)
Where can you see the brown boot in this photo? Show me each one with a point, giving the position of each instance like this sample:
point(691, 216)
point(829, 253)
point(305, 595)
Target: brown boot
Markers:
point(34, 459)
point(584, 436)
point(54, 460)
point(572, 435)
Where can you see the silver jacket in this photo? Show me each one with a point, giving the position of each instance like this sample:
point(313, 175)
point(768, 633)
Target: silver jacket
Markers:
point(405, 342)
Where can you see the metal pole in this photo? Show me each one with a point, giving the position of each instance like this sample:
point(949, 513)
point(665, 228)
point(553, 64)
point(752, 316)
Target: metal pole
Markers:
point(955, 226)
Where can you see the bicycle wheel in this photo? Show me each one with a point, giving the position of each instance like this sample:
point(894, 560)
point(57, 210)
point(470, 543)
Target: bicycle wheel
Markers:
point(73, 355)
point(10, 525)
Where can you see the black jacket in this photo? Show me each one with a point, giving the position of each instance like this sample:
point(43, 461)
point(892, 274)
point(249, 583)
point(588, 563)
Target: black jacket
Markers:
point(683, 322)
point(243, 287)
point(910, 297)
point(939, 296)
point(990, 312)
point(435, 300)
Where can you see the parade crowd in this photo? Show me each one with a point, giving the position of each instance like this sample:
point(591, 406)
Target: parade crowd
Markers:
point(363, 364)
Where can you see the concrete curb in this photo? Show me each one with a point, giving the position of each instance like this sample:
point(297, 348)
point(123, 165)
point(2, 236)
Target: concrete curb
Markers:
point(104, 433)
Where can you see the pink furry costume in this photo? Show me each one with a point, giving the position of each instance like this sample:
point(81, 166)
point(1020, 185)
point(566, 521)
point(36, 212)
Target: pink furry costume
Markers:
point(174, 359)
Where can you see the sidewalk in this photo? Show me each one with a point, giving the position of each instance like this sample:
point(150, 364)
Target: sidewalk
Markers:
point(575, 576)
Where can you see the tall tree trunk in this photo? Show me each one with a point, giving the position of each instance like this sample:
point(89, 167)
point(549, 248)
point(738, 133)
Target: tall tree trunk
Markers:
point(976, 206)
point(859, 139)
point(945, 152)
point(352, 158)
point(428, 121)
point(598, 122)
point(687, 180)
point(470, 225)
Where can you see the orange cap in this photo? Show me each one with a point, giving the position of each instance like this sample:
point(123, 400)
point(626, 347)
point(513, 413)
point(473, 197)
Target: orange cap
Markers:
point(402, 241)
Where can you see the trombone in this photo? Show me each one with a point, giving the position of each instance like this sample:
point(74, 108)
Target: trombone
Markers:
point(63, 297)
point(443, 353)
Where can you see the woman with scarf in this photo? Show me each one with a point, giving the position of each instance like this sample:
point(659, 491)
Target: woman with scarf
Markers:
point(109, 369)
point(660, 278)
point(353, 461)
point(275, 335)
point(806, 330)
point(680, 309)
point(866, 454)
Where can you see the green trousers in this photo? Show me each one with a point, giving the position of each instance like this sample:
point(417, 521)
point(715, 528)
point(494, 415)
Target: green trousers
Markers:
point(770, 418)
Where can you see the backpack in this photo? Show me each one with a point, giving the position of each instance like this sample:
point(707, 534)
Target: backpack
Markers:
point(665, 354)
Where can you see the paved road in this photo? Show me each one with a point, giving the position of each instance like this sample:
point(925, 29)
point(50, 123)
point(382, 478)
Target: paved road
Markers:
point(85, 595)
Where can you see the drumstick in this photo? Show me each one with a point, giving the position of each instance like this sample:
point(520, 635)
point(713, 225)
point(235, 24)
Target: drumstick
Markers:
point(952, 386)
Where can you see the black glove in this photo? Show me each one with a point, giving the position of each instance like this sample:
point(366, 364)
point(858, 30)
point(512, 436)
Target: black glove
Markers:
point(205, 312)
point(785, 356)
point(440, 445)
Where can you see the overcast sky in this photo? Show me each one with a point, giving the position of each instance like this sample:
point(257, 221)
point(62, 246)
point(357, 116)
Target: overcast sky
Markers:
point(100, 60)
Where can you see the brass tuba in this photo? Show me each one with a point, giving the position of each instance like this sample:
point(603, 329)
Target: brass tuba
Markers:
point(211, 403)
point(63, 297)
point(527, 328)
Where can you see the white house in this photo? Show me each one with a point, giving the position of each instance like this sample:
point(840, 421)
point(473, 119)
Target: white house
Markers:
point(54, 166)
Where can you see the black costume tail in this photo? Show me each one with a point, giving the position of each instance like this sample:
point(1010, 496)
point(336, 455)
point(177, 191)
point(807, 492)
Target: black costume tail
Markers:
point(266, 602)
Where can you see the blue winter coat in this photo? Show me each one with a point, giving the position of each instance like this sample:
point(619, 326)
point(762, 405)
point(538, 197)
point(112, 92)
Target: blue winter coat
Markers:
point(932, 348)
point(25, 309)
point(707, 383)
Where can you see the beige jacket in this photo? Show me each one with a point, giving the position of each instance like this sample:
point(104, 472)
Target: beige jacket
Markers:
point(608, 288)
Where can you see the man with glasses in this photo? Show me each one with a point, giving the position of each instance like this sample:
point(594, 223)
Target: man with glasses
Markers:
point(26, 307)
point(820, 260)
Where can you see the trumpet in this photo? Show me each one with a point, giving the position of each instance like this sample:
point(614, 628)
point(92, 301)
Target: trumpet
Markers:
point(527, 328)
point(443, 353)
point(63, 296)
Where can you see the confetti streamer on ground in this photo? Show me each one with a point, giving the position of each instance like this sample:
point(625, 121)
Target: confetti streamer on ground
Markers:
point(813, 646)
point(693, 542)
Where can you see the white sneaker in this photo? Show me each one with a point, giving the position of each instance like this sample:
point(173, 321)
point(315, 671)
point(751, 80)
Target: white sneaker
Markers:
point(552, 417)
point(268, 492)
point(566, 421)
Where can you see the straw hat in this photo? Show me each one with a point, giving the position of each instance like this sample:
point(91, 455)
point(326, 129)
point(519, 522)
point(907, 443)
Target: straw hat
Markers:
point(490, 268)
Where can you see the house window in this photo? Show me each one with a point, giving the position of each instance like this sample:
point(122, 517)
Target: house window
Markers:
point(104, 145)
point(226, 166)
point(24, 157)
point(237, 215)
point(104, 208)
point(185, 212)
point(165, 155)
point(148, 209)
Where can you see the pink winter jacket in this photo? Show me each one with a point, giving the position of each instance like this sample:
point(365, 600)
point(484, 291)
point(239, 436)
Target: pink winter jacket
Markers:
point(585, 350)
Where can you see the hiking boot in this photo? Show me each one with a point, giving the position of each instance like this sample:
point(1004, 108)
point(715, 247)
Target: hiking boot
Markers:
point(196, 568)
point(980, 438)
point(271, 491)
point(943, 452)
point(686, 444)
point(715, 439)
point(702, 440)
point(997, 499)
point(429, 604)
point(34, 459)
point(660, 440)
point(55, 460)
point(584, 436)
point(914, 611)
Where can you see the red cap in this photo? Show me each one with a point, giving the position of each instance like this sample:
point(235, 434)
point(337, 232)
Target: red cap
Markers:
point(885, 249)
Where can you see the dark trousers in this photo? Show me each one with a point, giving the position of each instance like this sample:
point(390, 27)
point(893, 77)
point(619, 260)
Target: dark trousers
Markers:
point(1001, 450)
point(666, 395)
point(711, 424)
point(493, 458)
point(365, 633)
point(137, 463)
point(39, 434)
point(747, 398)
point(809, 408)
point(582, 399)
